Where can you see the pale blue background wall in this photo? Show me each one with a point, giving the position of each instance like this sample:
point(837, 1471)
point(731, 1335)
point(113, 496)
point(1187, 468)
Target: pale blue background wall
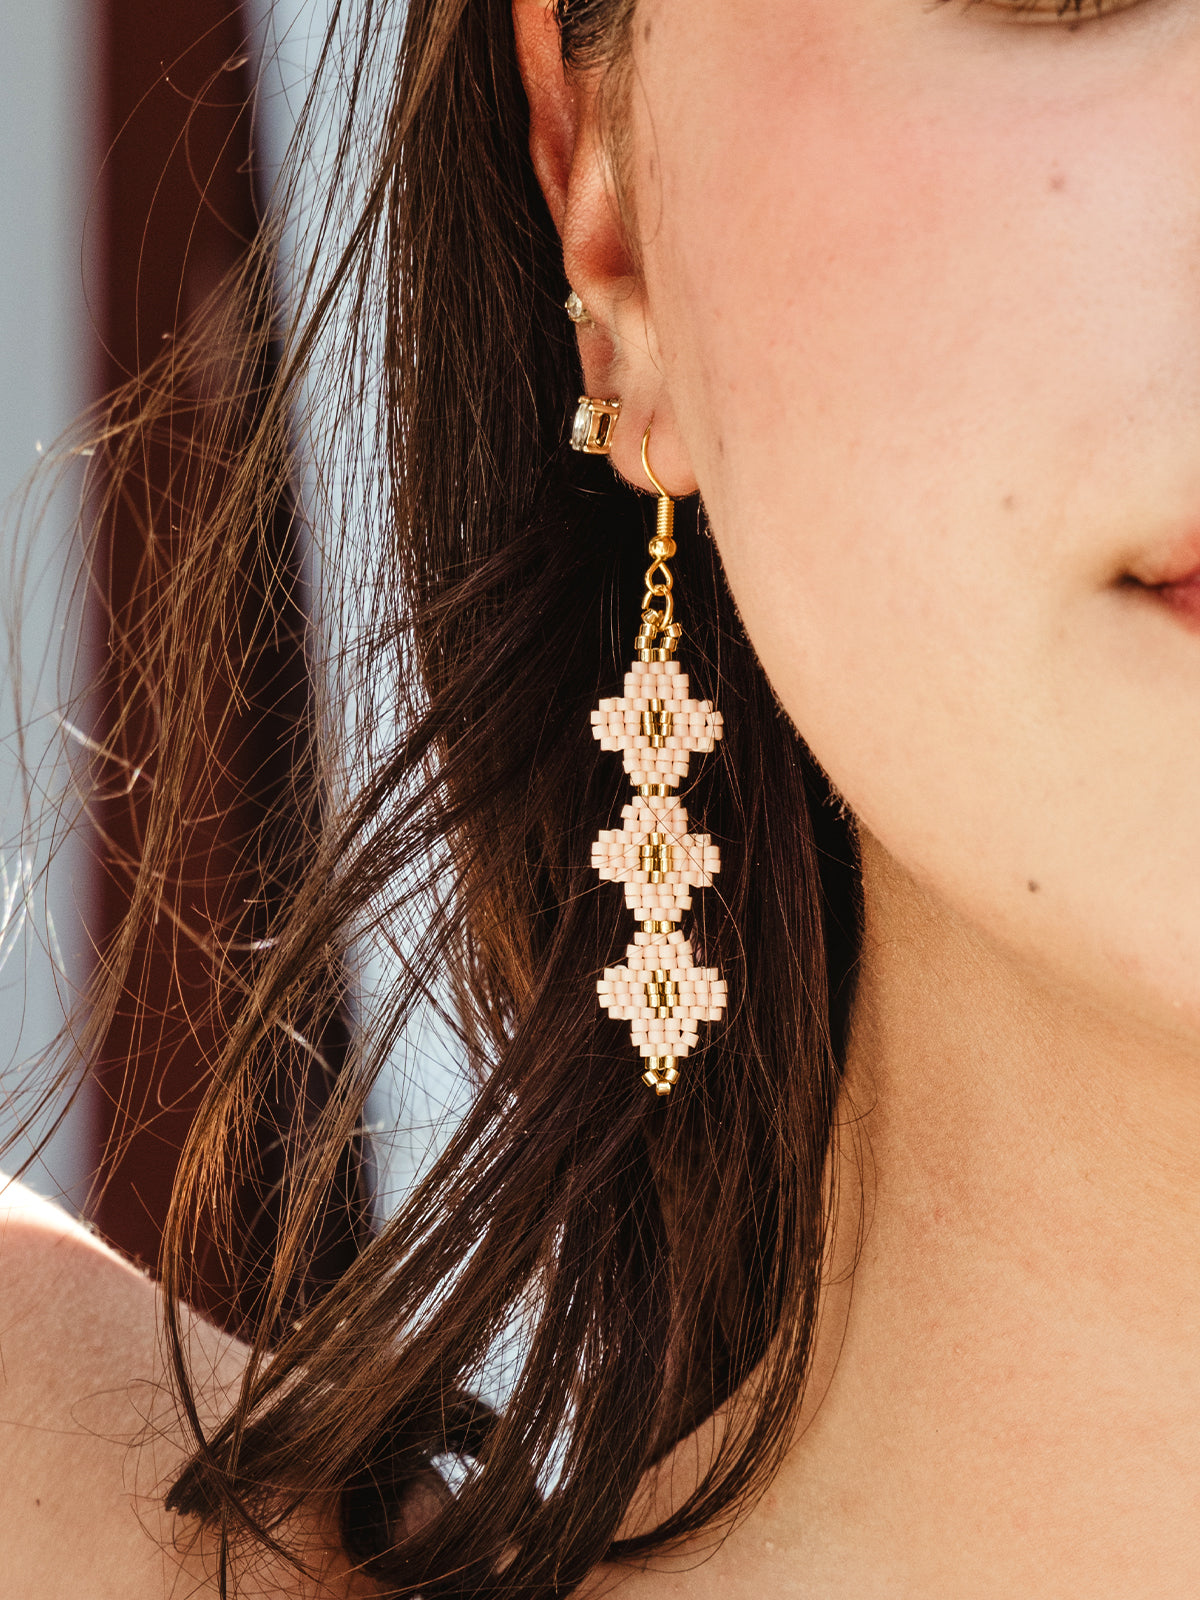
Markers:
point(417, 1098)
point(46, 367)
point(48, 161)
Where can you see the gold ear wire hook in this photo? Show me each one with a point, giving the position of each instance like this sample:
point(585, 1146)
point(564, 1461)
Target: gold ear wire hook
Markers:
point(666, 505)
point(655, 621)
point(656, 724)
point(646, 462)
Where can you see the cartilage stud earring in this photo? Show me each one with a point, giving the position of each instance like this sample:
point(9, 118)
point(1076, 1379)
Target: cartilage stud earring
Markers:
point(577, 311)
point(656, 726)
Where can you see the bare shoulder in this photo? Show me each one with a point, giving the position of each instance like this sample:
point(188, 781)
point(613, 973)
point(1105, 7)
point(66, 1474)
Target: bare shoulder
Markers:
point(89, 1440)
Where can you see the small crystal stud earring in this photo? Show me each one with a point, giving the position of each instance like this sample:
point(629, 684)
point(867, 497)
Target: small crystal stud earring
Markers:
point(577, 311)
point(593, 424)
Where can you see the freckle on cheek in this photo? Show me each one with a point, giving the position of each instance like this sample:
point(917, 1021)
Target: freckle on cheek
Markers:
point(1058, 182)
point(1033, 886)
point(1009, 503)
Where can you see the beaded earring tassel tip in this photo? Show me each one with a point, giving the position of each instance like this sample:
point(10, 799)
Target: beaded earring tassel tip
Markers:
point(655, 725)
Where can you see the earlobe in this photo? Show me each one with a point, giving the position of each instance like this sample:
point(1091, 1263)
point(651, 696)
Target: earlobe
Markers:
point(672, 468)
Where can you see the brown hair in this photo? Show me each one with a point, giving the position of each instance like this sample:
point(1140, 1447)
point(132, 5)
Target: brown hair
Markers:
point(650, 1258)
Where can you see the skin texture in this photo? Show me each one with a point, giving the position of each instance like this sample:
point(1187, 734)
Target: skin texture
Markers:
point(89, 1437)
point(913, 300)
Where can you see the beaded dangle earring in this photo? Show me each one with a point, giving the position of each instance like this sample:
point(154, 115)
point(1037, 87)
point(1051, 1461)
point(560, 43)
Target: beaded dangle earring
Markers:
point(656, 725)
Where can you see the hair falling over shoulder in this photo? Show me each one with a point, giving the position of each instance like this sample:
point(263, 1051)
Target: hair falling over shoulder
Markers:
point(653, 1257)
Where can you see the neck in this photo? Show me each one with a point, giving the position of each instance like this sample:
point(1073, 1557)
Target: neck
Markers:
point(1005, 1394)
point(1014, 1361)
point(1017, 1131)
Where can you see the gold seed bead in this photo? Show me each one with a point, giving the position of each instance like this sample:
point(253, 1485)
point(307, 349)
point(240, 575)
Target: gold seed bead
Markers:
point(661, 549)
point(656, 642)
point(662, 992)
point(657, 724)
point(660, 1073)
point(656, 856)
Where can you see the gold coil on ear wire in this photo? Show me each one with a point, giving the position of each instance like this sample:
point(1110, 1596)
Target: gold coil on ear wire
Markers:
point(659, 582)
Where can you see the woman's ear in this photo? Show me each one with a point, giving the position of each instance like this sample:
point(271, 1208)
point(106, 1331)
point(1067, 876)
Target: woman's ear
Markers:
point(569, 148)
point(553, 101)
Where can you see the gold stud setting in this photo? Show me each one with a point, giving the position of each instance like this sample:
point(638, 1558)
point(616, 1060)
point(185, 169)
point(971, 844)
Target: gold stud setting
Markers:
point(593, 424)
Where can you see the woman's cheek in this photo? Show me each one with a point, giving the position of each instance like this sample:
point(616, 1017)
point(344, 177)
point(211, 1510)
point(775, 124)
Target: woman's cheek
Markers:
point(929, 422)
